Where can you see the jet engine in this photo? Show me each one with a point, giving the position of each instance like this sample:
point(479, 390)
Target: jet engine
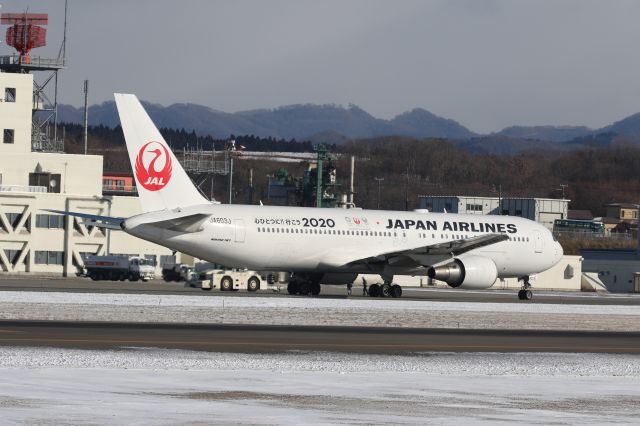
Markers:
point(474, 272)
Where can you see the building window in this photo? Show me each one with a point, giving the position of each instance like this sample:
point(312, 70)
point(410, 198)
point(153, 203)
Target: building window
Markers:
point(120, 184)
point(14, 218)
point(50, 181)
point(8, 136)
point(49, 221)
point(12, 255)
point(49, 257)
point(10, 94)
point(151, 259)
point(474, 207)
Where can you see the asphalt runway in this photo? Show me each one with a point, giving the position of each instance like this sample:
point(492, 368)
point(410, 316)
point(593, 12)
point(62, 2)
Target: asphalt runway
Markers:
point(85, 285)
point(278, 339)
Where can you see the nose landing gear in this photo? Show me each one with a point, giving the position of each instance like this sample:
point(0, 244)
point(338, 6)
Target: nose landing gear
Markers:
point(525, 293)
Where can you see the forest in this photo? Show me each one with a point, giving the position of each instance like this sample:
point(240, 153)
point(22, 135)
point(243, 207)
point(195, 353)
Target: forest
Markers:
point(406, 168)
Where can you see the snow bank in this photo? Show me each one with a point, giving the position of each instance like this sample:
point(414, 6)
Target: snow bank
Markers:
point(61, 298)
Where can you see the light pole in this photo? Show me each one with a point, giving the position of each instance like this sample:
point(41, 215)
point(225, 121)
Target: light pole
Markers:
point(499, 191)
point(269, 188)
point(379, 179)
point(232, 148)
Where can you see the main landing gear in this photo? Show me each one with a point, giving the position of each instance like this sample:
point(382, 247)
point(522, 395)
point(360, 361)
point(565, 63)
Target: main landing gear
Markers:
point(525, 293)
point(385, 290)
point(304, 284)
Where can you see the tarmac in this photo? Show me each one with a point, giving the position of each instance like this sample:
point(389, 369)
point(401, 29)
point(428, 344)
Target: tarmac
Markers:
point(278, 339)
point(80, 285)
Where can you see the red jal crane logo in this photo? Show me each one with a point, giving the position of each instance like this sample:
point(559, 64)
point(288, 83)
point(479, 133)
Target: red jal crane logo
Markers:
point(148, 176)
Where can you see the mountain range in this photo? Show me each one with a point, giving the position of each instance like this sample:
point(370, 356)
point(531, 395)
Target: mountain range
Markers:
point(336, 124)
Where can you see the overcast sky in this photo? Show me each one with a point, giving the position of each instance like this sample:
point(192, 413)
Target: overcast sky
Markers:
point(485, 63)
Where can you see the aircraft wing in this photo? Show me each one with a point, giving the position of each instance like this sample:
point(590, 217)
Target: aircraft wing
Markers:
point(94, 220)
point(431, 254)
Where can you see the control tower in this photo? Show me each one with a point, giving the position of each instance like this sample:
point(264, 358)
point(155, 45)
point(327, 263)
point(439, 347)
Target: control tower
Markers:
point(26, 32)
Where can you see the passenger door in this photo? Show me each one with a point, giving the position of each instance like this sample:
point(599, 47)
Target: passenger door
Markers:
point(537, 240)
point(240, 230)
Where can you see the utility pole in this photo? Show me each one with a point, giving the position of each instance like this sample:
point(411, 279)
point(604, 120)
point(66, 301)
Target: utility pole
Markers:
point(250, 194)
point(322, 155)
point(562, 188)
point(231, 149)
point(379, 179)
point(499, 191)
point(406, 192)
point(86, 113)
point(351, 205)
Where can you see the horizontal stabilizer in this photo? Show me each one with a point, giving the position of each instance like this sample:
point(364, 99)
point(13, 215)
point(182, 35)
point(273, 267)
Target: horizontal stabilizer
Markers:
point(101, 225)
point(93, 220)
point(190, 223)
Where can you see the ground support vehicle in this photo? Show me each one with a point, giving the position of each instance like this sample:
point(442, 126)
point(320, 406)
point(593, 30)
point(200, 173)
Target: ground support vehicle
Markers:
point(117, 267)
point(175, 272)
point(228, 280)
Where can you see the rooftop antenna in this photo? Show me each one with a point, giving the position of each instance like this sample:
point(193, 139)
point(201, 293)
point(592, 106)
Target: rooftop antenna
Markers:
point(26, 32)
point(62, 53)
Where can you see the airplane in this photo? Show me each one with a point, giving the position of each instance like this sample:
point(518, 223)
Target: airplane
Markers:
point(319, 245)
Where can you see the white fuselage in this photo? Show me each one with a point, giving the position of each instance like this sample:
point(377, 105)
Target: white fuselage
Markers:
point(300, 239)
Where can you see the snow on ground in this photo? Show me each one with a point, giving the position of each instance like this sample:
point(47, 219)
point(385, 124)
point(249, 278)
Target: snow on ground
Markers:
point(149, 386)
point(306, 303)
point(314, 311)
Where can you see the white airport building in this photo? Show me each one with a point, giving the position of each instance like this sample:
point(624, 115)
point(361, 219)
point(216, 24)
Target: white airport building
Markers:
point(617, 269)
point(33, 240)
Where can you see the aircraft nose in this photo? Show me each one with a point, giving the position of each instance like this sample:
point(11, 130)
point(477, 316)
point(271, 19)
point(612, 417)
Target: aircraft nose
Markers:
point(559, 251)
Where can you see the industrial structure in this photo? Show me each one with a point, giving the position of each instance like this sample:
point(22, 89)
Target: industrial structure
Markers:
point(618, 269)
point(36, 175)
point(542, 210)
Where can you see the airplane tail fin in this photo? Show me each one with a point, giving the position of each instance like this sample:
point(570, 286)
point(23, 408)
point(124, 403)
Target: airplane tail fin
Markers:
point(161, 181)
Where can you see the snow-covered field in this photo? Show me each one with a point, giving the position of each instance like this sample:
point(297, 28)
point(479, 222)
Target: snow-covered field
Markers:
point(149, 386)
point(313, 311)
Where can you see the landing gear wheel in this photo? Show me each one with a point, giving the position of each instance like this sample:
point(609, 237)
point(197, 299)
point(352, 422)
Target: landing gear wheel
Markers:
point(374, 290)
point(293, 287)
point(253, 284)
point(396, 291)
point(525, 293)
point(226, 284)
point(386, 290)
point(315, 289)
point(305, 288)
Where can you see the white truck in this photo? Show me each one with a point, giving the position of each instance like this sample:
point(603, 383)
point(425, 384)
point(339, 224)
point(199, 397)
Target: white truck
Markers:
point(120, 268)
point(227, 280)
